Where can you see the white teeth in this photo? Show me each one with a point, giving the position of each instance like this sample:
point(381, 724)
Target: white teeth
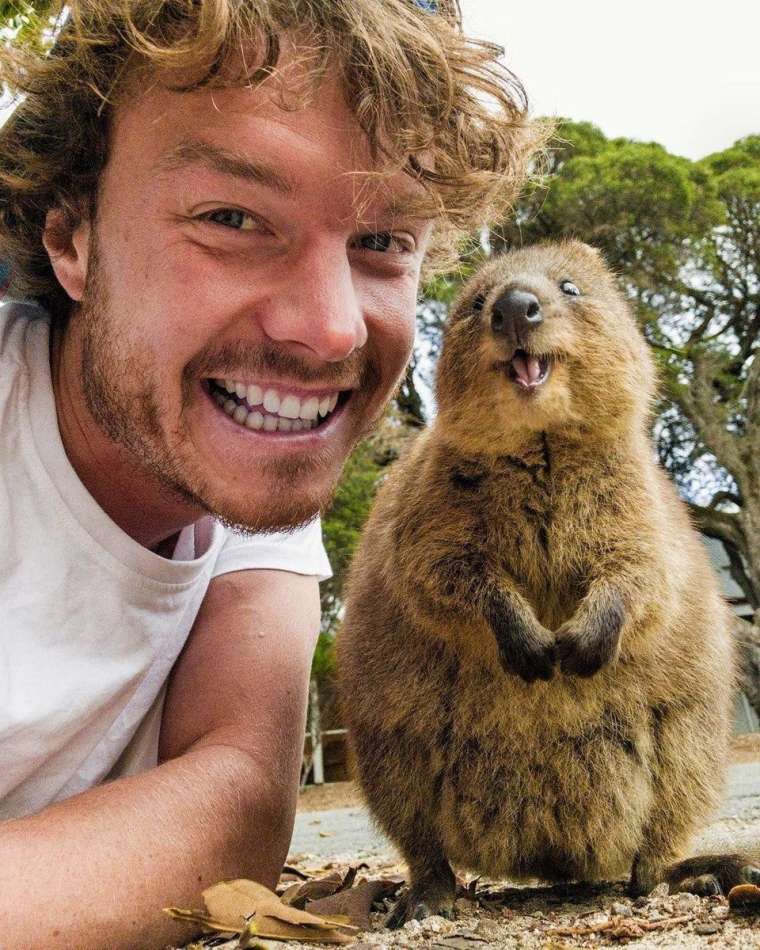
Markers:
point(310, 408)
point(272, 400)
point(254, 420)
point(290, 407)
point(298, 414)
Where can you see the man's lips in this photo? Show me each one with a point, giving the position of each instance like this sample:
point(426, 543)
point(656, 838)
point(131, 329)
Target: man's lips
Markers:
point(270, 408)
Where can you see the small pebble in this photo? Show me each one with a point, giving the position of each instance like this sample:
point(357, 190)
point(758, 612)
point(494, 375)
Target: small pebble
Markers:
point(685, 903)
point(705, 929)
point(413, 926)
point(488, 929)
point(662, 890)
point(621, 910)
point(434, 924)
point(595, 920)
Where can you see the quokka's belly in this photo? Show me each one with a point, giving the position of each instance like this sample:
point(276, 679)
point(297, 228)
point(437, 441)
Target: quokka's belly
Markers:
point(565, 807)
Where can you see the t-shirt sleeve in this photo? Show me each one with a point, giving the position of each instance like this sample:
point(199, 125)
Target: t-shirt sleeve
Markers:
point(300, 551)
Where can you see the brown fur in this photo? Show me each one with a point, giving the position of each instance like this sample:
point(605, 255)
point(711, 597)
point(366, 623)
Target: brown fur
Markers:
point(536, 661)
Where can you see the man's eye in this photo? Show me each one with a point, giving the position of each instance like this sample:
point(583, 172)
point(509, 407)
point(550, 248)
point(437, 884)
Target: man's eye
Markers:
point(384, 241)
point(233, 218)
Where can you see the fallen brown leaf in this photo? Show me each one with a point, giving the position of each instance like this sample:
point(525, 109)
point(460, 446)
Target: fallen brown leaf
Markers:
point(274, 929)
point(298, 894)
point(255, 911)
point(202, 919)
point(355, 902)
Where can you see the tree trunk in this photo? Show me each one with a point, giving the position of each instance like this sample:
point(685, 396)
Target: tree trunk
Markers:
point(748, 638)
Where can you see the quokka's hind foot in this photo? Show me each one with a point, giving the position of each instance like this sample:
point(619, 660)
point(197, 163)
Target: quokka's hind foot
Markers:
point(705, 875)
point(433, 893)
point(710, 874)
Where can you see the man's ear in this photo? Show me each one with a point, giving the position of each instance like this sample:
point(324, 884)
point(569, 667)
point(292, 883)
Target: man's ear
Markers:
point(69, 251)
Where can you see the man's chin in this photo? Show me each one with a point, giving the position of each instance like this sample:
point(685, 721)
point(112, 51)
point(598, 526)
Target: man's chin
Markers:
point(269, 521)
point(295, 498)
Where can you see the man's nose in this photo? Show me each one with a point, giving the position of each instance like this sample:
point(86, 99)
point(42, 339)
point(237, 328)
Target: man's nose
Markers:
point(320, 307)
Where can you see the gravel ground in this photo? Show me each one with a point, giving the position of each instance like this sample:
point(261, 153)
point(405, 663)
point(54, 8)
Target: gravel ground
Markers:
point(554, 918)
point(333, 826)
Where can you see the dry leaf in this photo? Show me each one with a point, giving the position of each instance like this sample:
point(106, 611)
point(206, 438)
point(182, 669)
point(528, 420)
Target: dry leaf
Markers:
point(289, 893)
point(256, 911)
point(315, 889)
point(289, 872)
point(355, 902)
point(274, 929)
point(235, 901)
point(202, 919)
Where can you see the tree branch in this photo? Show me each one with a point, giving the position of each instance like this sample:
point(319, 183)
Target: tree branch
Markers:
point(722, 525)
point(720, 496)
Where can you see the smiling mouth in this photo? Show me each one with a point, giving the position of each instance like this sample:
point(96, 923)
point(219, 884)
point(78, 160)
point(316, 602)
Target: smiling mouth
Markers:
point(528, 371)
point(271, 409)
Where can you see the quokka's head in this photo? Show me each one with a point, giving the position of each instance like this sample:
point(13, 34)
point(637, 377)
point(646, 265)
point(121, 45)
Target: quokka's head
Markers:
point(542, 339)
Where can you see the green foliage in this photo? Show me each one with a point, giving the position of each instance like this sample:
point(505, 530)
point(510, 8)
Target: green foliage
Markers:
point(341, 526)
point(635, 201)
point(29, 24)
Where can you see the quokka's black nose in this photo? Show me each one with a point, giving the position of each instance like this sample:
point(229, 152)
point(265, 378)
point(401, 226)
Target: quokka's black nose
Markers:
point(517, 310)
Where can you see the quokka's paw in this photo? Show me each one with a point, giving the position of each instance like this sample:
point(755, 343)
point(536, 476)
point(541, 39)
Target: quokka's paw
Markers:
point(531, 657)
point(417, 905)
point(580, 653)
point(712, 874)
point(525, 647)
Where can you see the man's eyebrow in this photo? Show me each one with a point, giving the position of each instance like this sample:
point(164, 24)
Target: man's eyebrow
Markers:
point(217, 159)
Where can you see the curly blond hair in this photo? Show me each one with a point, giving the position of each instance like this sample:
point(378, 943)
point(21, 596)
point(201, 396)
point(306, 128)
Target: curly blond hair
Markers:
point(415, 83)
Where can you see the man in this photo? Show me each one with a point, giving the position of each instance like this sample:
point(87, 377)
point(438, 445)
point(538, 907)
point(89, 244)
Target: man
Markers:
point(218, 213)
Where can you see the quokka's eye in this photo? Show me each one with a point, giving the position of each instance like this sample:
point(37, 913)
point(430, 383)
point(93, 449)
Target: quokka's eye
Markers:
point(569, 288)
point(478, 303)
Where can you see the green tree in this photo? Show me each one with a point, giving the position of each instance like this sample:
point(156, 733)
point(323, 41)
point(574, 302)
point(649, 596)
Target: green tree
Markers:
point(29, 24)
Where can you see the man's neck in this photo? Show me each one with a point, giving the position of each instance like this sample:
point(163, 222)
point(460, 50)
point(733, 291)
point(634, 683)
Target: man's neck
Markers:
point(131, 496)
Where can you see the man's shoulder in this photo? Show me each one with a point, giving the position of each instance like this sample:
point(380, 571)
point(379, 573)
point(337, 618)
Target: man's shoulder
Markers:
point(17, 317)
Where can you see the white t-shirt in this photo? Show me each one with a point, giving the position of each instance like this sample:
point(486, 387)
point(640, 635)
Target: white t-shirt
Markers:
point(91, 622)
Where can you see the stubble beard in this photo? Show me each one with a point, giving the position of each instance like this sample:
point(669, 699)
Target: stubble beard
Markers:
point(120, 393)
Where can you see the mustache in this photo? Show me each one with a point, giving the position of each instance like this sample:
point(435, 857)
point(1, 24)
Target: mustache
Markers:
point(235, 359)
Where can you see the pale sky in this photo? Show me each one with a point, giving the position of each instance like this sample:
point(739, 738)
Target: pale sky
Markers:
point(683, 73)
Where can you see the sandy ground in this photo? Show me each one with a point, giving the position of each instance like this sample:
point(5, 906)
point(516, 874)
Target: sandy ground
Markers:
point(491, 914)
point(549, 918)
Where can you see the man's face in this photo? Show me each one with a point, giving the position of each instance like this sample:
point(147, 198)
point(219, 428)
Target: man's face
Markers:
point(250, 302)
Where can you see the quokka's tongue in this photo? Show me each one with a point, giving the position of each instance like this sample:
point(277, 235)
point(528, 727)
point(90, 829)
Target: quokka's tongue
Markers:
point(527, 368)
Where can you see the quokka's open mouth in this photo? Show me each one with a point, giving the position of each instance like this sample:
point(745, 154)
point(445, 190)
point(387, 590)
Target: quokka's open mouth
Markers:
point(527, 370)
